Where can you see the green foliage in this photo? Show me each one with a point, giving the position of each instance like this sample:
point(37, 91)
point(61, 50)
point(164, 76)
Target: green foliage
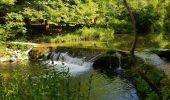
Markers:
point(166, 20)
point(7, 2)
point(166, 92)
point(152, 96)
point(100, 34)
point(84, 34)
point(120, 25)
point(154, 50)
point(142, 86)
point(157, 77)
point(154, 73)
point(15, 25)
point(3, 50)
point(3, 35)
point(17, 46)
point(46, 39)
point(145, 19)
point(150, 16)
point(66, 38)
point(33, 14)
point(110, 51)
point(145, 90)
point(159, 40)
point(88, 33)
point(85, 12)
point(47, 84)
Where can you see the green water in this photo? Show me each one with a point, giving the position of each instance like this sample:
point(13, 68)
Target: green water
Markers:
point(103, 86)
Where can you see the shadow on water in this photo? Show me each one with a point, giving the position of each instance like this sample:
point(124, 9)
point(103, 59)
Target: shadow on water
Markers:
point(106, 83)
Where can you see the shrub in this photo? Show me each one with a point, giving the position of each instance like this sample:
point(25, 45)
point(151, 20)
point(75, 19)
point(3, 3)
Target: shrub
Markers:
point(43, 84)
point(145, 19)
point(3, 35)
point(15, 25)
point(159, 40)
point(153, 73)
point(166, 93)
point(67, 38)
point(100, 34)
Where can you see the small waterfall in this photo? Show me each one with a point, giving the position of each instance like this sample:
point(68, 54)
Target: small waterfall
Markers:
point(119, 58)
point(71, 60)
point(54, 56)
point(74, 64)
point(119, 69)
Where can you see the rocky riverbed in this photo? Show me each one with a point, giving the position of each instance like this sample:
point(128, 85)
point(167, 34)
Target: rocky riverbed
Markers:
point(14, 55)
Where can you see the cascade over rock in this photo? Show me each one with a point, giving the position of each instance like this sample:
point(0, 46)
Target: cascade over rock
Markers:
point(79, 59)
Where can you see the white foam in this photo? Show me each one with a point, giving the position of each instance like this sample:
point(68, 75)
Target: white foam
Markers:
point(73, 68)
point(74, 64)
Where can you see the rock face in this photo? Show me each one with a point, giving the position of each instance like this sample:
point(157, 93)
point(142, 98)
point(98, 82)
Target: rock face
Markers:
point(14, 55)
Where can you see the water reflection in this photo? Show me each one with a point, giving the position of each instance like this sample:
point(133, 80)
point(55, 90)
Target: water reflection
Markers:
point(103, 87)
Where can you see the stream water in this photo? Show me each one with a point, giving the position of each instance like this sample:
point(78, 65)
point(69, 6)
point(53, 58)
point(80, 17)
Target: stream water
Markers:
point(151, 58)
point(104, 86)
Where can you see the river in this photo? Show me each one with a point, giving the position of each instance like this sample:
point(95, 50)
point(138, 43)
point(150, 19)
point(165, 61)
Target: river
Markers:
point(104, 86)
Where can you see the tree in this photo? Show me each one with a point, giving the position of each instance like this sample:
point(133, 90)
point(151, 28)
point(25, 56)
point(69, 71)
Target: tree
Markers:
point(134, 27)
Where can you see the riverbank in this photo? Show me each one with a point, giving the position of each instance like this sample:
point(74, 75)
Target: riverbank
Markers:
point(154, 74)
point(14, 53)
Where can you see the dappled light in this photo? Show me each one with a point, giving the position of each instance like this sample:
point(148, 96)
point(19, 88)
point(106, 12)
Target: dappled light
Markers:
point(85, 49)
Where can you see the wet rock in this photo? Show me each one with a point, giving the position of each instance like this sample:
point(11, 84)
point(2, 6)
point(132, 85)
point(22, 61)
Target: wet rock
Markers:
point(165, 53)
point(149, 57)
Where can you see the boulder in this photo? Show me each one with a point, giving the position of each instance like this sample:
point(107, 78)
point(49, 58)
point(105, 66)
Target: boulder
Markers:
point(38, 53)
point(165, 53)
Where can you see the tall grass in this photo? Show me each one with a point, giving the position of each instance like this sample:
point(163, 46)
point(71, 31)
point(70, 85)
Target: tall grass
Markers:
point(47, 84)
point(99, 34)
point(84, 34)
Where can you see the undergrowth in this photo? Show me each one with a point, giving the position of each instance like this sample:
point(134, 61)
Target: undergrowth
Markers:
point(48, 84)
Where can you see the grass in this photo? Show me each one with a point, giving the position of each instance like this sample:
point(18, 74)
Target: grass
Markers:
point(106, 37)
point(84, 34)
point(156, 76)
point(97, 36)
point(42, 84)
point(3, 50)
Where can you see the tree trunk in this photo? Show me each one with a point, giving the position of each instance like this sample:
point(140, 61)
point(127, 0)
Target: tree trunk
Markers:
point(134, 28)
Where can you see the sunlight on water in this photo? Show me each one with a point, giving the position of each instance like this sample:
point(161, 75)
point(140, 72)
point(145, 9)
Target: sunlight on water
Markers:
point(150, 58)
point(104, 87)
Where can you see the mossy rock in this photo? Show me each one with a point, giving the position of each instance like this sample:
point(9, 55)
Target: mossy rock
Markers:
point(162, 53)
point(38, 53)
